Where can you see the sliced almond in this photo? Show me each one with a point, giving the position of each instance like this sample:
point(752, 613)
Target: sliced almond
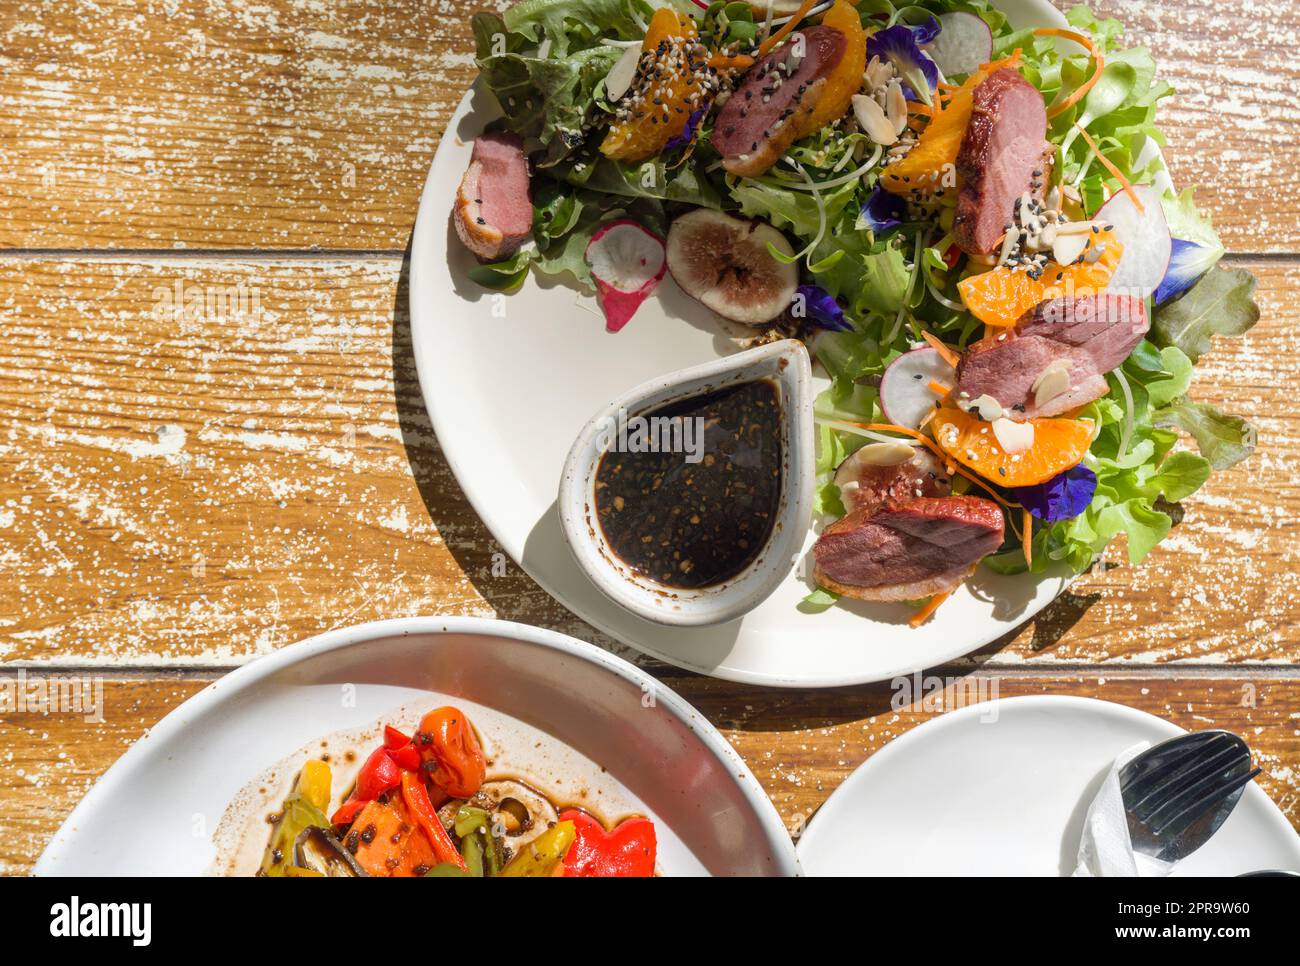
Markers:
point(1009, 243)
point(896, 106)
point(873, 121)
point(1013, 437)
point(1051, 382)
point(879, 73)
point(621, 75)
point(886, 454)
point(986, 407)
point(1068, 247)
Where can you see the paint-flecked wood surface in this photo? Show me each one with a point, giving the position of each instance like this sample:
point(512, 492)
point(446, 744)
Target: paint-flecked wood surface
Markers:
point(800, 744)
point(201, 492)
point(181, 492)
point(297, 123)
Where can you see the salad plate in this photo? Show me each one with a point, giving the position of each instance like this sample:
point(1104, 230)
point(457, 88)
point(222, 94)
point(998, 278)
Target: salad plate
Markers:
point(1002, 788)
point(590, 730)
point(513, 363)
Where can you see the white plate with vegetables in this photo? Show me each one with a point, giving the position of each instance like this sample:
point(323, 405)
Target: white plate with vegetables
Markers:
point(351, 741)
point(958, 207)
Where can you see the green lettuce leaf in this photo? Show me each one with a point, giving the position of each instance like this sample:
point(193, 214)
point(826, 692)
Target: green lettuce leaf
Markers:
point(1223, 440)
point(1179, 476)
point(1219, 304)
point(571, 23)
point(546, 100)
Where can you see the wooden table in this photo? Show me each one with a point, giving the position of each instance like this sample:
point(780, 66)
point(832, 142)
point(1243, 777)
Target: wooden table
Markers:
point(179, 495)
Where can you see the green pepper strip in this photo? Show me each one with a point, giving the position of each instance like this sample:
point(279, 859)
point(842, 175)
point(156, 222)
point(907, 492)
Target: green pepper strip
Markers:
point(299, 814)
point(477, 844)
point(446, 870)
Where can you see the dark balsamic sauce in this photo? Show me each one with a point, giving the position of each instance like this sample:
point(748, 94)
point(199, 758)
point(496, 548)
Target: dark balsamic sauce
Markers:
point(690, 524)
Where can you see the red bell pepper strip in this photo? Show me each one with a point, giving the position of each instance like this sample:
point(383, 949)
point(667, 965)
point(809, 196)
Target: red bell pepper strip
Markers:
point(626, 852)
point(418, 804)
point(401, 749)
point(378, 775)
point(453, 758)
point(394, 739)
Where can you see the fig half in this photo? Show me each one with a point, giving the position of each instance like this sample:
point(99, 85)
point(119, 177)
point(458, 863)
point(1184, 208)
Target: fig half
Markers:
point(724, 262)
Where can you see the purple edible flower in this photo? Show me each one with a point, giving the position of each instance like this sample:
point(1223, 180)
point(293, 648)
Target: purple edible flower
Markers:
point(822, 309)
point(926, 32)
point(884, 210)
point(1063, 497)
point(688, 132)
point(1188, 261)
point(899, 46)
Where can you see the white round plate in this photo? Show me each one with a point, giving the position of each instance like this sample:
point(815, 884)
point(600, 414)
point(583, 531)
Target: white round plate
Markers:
point(510, 381)
point(1001, 788)
point(155, 811)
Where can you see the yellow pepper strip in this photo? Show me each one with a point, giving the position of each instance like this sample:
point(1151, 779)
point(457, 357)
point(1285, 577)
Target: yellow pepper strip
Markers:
point(542, 856)
point(314, 783)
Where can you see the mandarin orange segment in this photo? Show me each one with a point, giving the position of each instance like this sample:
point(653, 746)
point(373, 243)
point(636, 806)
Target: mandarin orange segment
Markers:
point(657, 108)
point(935, 152)
point(999, 297)
point(846, 79)
point(1058, 445)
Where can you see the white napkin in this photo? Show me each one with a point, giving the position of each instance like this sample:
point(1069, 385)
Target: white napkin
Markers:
point(1105, 849)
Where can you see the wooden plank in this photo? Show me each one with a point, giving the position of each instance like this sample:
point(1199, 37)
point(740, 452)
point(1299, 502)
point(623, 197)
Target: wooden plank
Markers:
point(1233, 122)
point(294, 124)
point(800, 745)
point(247, 124)
point(200, 491)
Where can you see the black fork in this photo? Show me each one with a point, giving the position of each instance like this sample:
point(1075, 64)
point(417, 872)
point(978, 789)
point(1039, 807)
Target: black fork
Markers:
point(1178, 793)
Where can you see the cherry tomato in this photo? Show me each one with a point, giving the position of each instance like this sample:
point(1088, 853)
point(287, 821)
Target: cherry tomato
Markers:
point(449, 748)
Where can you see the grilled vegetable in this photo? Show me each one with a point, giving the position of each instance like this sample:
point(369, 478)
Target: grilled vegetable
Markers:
point(544, 856)
point(303, 810)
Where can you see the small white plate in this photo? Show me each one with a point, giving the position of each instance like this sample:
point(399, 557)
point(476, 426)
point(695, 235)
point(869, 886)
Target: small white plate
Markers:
point(156, 810)
point(1001, 788)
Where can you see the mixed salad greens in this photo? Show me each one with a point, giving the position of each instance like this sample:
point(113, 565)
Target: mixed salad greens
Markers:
point(881, 274)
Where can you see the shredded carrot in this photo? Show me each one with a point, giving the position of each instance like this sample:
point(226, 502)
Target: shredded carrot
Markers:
point(934, 447)
point(789, 25)
point(945, 353)
point(1015, 529)
point(735, 62)
point(1028, 538)
point(1098, 59)
point(932, 605)
point(1115, 172)
point(938, 388)
point(916, 107)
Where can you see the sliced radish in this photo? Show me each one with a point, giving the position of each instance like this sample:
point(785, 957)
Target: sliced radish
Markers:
point(905, 392)
point(964, 44)
point(627, 261)
point(1145, 237)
